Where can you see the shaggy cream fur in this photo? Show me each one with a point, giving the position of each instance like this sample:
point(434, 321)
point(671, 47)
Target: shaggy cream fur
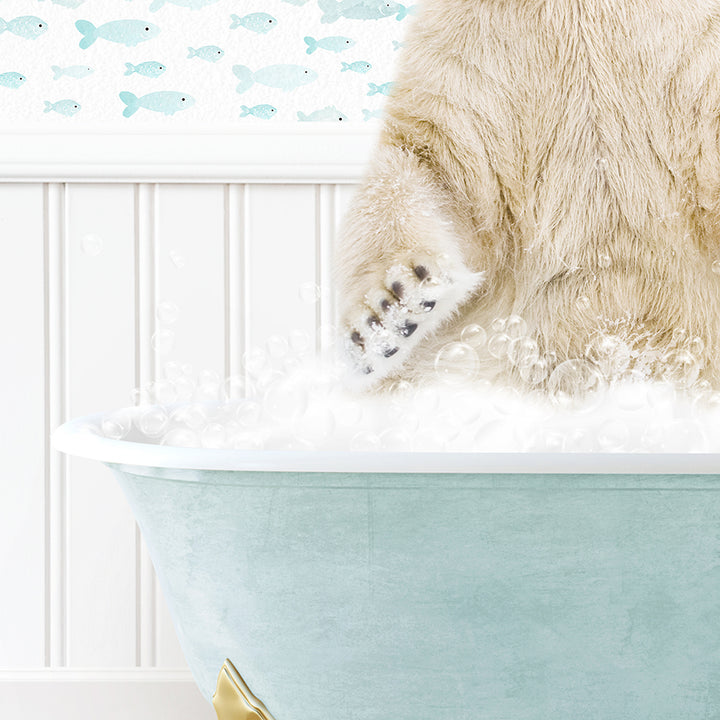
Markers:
point(555, 159)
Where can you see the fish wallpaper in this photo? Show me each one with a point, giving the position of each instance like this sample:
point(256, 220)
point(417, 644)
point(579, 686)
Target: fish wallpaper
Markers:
point(192, 63)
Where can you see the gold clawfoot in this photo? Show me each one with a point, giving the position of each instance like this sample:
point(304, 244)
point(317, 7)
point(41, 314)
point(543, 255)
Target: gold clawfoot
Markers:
point(233, 699)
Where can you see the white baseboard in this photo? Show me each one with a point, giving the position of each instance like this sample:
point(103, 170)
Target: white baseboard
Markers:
point(108, 694)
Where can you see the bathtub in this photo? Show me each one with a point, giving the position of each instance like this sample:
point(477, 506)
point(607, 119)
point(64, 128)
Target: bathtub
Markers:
point(410, 586)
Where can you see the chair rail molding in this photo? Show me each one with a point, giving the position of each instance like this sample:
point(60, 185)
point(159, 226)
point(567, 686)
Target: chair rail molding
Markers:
point(287, 153)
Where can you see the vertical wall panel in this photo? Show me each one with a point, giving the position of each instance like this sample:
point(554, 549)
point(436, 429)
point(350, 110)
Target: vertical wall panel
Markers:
point(101, 372)
point(190, 254)
point(22, 428)
point(280, 258)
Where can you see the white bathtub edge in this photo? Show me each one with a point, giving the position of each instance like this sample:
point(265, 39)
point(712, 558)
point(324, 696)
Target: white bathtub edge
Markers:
point(75, 438)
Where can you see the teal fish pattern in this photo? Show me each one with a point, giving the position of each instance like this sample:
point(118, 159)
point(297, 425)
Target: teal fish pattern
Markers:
point(63, 107)
point(165, 102)
point(72, 71)
point(259, 22)
point(282, 63)
point(264, 112)
point(327, 114)
point(149, 68)
point(336, 43)
point(12, 80)
point(282, 77)
point(125, 32)
point(26, 26)
point(210, 53)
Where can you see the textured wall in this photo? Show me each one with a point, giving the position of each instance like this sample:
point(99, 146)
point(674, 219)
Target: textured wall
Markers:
point(65, 63)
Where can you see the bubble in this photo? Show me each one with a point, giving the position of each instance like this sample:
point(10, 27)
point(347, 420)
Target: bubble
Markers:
point(92, 245)
point(681, 368)
point(277, 347)
point(604, 260)
point(178, 259)
point(400, 387)
point(180, 437)
point(153, 421)
point(163, 341)
point(212, 435)
point(316, 426)
point(309, 293)
point(395, 439)
point(609, 353)
point(499, 345)
point(715, 267)
point(523, 351)
point(696, 346)
point(685, 436)
point(172, 370)
point(534, 372)
point(613, 436)
point(255, 361)
point(515, 327)
point(248, 413)
point(235, 387)
point(286, 400)
point(164, 392)
point(456, 363)
point(365, 441)
point(116, 425)
point(579, 440)
point(299, 341)
point(167, 313)
point(193, 416)
point(632, 394)
point(679, 336)
point(426, 399)
point(185, 388)
point(583, 303)
point(573, 381)
point(140, 396)
point(247, 441)
point(498, 325)
point(474, 336)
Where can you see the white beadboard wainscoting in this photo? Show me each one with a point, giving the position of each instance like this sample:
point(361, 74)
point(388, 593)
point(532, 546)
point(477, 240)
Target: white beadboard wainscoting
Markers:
point(90, 247)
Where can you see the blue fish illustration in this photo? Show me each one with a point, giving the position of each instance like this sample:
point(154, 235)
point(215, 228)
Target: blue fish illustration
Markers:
point(361, 10)
point(336, 43)
point(165, 101)
point(264, 112)
point(151, 69)
point(69, 3)
point(27, 26)
point(328, 113)
point(258, 22)
point(74, 71)
point(126, 32)
point(211, 53)
point(384, 89)
point(370, 114)
point(190, 4)
point(64, 107)
point(12, 80)
point(283, 77)
point(397, 44)
point(361, 66)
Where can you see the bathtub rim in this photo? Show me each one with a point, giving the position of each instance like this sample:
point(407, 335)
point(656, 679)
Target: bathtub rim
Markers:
point(75, 438)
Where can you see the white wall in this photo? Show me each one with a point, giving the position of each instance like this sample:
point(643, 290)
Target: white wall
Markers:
point(82, 621)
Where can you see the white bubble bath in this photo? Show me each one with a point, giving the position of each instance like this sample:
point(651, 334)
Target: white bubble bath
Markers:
point(304, 405)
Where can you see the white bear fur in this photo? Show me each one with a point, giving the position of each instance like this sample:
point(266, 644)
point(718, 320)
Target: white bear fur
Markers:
point(535, 152)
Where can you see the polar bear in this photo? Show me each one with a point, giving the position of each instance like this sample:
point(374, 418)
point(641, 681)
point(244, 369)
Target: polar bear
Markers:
point(551, 160)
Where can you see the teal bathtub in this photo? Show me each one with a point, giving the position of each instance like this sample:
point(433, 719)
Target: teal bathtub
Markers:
point(369, 586)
